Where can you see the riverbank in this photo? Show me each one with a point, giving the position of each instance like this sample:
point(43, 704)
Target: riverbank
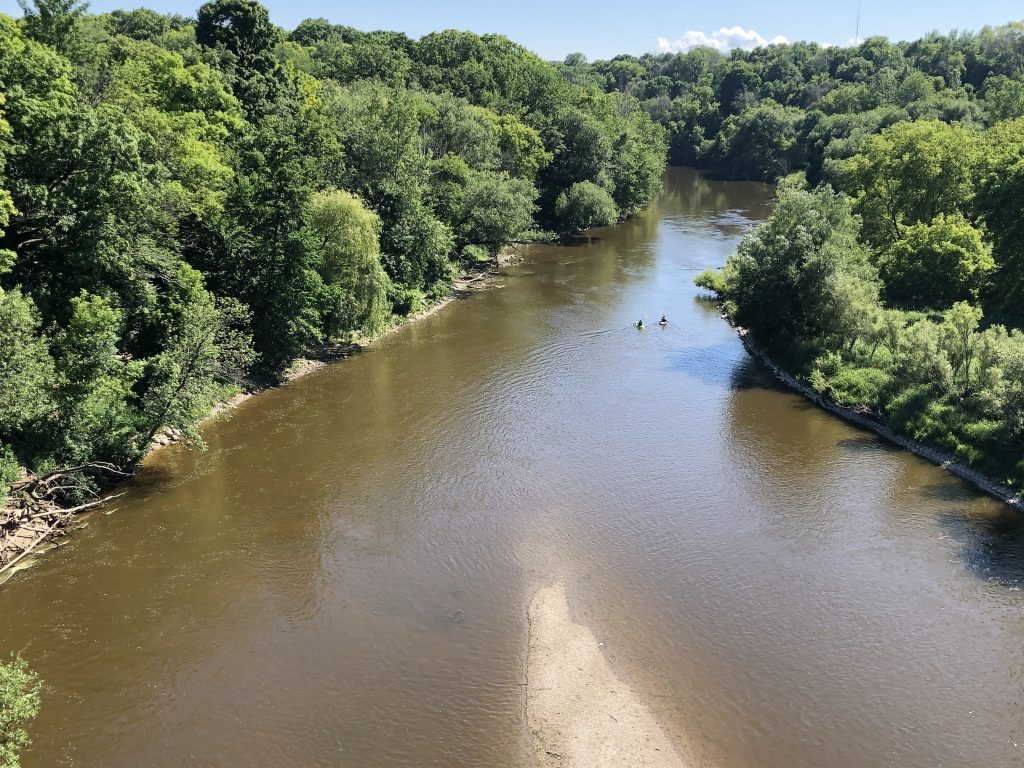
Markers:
point(25, 535)
point(329, 354)
point(941, 459)
point(579, 712)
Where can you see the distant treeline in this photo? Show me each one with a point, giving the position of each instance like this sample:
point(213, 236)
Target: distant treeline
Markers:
point(890, 275)
point(187, 203)
point(764, 113)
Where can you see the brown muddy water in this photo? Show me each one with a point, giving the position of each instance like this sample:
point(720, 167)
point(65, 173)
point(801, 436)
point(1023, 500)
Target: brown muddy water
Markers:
point(342, 578)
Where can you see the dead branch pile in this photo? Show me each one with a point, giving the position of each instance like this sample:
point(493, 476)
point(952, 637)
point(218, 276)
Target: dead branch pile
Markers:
point(40, 507)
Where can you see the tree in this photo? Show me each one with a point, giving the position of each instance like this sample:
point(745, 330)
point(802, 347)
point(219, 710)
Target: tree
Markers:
point(583, 206)
point(346, 238)
point(496, 209)
point(242, 29)
point(26, 369)
point(999, 202)
point(241, 26)
point(93, 386)
point(959, 341)
point(794, 275)
point(1004, 98)
point(909, 174)
point(53, 22)
point(937, 263)
point(19, 704)
point(759, 143)
point(207, 346)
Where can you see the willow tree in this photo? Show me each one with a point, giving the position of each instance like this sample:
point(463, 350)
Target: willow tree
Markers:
point(345, 237)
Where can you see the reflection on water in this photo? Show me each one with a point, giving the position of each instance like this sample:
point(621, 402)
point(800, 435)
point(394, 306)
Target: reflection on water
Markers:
point(341, 579)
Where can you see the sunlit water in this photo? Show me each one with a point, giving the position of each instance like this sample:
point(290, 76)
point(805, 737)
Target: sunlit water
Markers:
point(341, 579)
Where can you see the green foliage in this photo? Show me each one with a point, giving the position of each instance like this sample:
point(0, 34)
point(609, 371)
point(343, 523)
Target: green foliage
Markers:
point(802, 272)
point(93, 386)
point(910, 174)
point(26, 369)
point(9, 467)
point(761, 114)
point(185, 205)
point(19, 704)
point(759, 143)
point(53, 22)
point(711, 280)
point(496, 209)
point(585, 205)
point(936, 263)
point(998, 203)
point(804, 284)
point(346, 239)
point(847, 384)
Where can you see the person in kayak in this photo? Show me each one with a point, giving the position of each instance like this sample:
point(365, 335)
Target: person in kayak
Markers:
point(639, 323)
point(663, 321)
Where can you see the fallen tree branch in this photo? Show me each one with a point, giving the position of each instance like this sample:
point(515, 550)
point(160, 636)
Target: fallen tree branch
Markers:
point(11, 563)
point(35, 509)
point(71, 512)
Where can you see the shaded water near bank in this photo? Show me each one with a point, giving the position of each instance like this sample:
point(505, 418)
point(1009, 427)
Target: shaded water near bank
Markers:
point(342, 578)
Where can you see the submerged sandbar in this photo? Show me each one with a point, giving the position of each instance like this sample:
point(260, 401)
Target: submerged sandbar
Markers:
point(580, 713)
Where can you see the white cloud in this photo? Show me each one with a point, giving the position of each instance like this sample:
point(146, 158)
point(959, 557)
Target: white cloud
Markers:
point(723, 40)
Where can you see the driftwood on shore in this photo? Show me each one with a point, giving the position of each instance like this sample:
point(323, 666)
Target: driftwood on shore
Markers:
point(40, 507)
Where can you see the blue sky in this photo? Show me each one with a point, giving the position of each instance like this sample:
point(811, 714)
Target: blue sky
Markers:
point(603, 28)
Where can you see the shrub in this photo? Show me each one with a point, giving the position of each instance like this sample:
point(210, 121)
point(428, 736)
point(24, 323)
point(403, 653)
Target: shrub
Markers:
point(19, 703)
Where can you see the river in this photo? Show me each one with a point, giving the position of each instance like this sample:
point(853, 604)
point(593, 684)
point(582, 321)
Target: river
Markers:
point(341, 579)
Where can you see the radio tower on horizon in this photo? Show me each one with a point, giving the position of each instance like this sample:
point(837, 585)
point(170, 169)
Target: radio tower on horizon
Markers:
point(856, 32)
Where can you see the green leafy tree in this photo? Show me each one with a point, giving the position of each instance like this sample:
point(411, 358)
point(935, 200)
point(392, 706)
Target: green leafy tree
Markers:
point(241, 29)
point(19, 704)
point(346, 239)
point(93, 386)
point(496, 209)
point(760, 143)
point(937, 263)
point(999, 201)
point(26, 369)
point(583, 206)
point(791, 276)
point(207, 346)
point(910, 174)
point(53, 22)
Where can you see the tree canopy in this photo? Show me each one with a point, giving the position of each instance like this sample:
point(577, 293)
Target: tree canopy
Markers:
point(186, 204)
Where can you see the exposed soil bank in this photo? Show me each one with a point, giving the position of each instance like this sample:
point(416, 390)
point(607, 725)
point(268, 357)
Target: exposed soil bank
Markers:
point(579, 712)
point(940, 458)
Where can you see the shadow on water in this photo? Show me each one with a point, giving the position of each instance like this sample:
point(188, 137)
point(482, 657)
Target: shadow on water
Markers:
point(866, 443)
point(717, 365)
point(991, 546)
point(952, 490)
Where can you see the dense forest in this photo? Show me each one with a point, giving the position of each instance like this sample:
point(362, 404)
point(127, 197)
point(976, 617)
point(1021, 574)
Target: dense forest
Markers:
point(187, 204)
point(765, 113)
point(891, 272)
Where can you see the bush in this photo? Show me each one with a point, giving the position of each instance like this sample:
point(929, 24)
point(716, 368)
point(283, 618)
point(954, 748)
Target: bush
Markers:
point(19, 703)
point(711, 280)
point(584, 206)
point(858, 386)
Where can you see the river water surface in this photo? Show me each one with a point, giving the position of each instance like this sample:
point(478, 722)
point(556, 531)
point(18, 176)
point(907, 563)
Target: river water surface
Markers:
point(341, 579)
